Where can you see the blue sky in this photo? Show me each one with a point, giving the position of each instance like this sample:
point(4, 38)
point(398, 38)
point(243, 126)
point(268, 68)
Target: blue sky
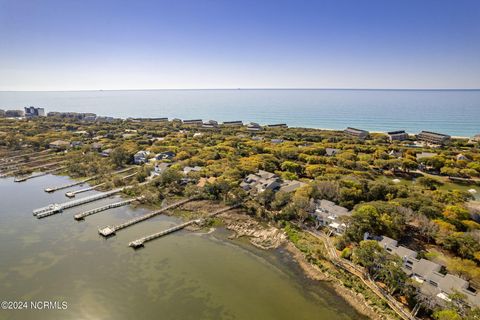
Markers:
point(79, 45)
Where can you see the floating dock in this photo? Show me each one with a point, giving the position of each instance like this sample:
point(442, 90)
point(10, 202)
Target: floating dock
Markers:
point(57, 208)
point(81, 216)
point(111, 230)
point(140, 242)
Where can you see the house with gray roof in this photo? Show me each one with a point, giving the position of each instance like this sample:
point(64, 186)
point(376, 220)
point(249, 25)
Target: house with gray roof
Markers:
point(141, 157)
point(428, 274)
point(328, 214)
point(330, 152)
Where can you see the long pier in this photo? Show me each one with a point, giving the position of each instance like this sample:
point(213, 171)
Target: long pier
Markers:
point(140, 242)
point(71, 194)
point(76, 183)
point(8, 159)
point(21, 179)
point(65, 186)
point(57, 208)
point(83, 215)
point(23, 162)
point(111, 230)
point(32, 168)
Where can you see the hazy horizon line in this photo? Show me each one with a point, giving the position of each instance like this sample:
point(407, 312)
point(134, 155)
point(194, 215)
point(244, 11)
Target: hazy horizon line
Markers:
point(251, 89)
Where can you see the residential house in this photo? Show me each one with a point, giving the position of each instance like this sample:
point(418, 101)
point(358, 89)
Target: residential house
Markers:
point(106, 152)
point(399, 135)
point(59, 145)
point(395, 154)
point(96, 146)
point(291, 185)
point(328, 214)
point(428, 275)
point(141, 157)
point(160, 167)
point(210, 124)
point(433, 137)
point(187, 169)
point(330, 152)
point(76, 144)
point(357, 133)
point(253, 126)
point(167, 155)
point(261, 181)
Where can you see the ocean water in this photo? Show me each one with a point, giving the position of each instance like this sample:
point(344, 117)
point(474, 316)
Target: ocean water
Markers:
point(455, 112)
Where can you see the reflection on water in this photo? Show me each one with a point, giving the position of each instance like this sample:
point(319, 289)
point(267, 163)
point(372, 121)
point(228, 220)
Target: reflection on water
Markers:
point(182, 276)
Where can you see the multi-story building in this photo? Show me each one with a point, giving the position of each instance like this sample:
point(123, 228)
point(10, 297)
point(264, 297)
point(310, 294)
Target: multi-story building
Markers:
point(31, 112)
point(399, 135)
point(433, 137)
point(358, 133)
point(328, 214)
point(429, 275)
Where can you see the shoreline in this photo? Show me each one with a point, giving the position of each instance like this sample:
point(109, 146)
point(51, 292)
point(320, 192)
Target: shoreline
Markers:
point(170, 119)
point(257, 232)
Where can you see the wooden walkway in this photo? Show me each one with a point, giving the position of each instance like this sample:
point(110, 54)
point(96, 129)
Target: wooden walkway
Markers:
point(13, 158)
point(83, 215)
point(76, 183)
point(71, 194)
point(140, 242)
point(43, 166)
point(111, 230)
point(44, 173)
point(65, 186)
point(23, 162)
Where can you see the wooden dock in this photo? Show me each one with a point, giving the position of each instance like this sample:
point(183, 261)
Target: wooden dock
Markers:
point(44, 173)
point(43, 166)
point(111, 230)
point(83, 215)
point(71, 194)
point(57, 208)
point(65, 186)
point(76, 183)
point(140, 242)
point(23, 162)
point(13, 158)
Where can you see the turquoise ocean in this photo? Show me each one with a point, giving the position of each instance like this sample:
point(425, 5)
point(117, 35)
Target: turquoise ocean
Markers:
point(455, 112)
